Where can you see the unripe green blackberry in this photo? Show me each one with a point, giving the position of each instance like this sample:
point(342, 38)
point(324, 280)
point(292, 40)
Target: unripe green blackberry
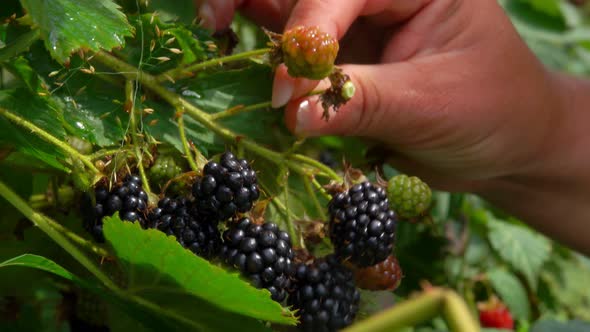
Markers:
point(408, 196)
point(165, 168)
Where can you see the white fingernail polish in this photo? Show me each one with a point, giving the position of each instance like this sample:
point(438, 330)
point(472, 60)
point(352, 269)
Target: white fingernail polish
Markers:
point(303, 114)
point(281, 93)
point(207, 16)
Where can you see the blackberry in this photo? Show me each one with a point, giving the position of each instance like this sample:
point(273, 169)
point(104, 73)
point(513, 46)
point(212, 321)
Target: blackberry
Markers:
point(262, 253)
point(128, 199)
point(362, 227)
point(226, 188)
point(325, 295)
point(179, 218)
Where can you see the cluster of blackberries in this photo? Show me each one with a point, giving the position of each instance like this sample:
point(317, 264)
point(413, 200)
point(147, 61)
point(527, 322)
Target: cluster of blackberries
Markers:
point(180, 218)
point(262, 252)
point(325, 294)
point(128, 199)
point(362, 227)
point(226, 187)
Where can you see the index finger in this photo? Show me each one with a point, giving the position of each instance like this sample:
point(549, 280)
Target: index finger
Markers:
point(336, 16)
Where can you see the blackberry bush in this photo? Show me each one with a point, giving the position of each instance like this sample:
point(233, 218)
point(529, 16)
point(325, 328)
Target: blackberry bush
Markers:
point(127, 198)
point(325, 294)
point(226, 188)
point(262, 253)
point(180, 218)
point(362, 227)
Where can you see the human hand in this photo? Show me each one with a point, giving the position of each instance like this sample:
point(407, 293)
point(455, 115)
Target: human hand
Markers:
point(452, 89)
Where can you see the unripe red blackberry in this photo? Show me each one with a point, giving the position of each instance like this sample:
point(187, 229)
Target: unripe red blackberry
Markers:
point(325, 294)
point(226, 188)
point(308, 52)
point(386, 275)
point(262, 253)
point(128, 199)
point(179, 218)
point(362, 227)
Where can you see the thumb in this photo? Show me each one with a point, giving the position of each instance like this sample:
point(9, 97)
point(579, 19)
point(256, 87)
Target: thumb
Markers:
point(390, 104)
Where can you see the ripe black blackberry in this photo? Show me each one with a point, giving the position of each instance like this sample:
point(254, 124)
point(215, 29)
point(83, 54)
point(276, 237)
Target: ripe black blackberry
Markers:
point(179, 218)
point(128, 199)
point(262, 253)
point(226, 187)
point(325, 294)
point(362, 227)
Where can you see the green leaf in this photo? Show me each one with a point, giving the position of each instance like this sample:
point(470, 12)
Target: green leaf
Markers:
point(550, 7)
point(555, 326)
point(38, 111)
point(567, 281)
point(524, 249)
point(219, 91)
point(511, 291)
point(38, 262)
point(69, 25)
point(183, 10)
point(157, 262)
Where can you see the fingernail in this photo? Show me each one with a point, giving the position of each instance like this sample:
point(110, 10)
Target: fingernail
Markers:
point(207, 16)
point(303, 117)
point(282, 91)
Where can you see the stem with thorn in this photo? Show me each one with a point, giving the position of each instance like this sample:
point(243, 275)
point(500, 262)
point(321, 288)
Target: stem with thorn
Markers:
point(181, 72)
point(129, 85)
point(185, 145)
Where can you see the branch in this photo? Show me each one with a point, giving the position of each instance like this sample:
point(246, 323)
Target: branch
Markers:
point(205, 119)
point(48, 227)
point(419, 309)
point(239, 110)
point(185, 145)
point(181, 72)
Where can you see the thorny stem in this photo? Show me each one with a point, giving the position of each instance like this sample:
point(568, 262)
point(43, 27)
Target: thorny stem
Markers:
point(49, 138)
point(181, 72)
point(48, 227)
point(422, 308)
point(103, 153)
point(321, 189)
point(314, 163)
point(314, 197)
point(185, 145)
point(239, 110)
point(130, 101)
point(78, 239)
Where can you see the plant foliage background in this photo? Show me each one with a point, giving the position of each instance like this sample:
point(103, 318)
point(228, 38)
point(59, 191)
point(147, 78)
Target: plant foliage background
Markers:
point(55, 80)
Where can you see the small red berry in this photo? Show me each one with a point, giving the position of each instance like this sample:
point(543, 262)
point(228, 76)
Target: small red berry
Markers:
point(495, 315)
point(386, 275)
point(308, 52)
